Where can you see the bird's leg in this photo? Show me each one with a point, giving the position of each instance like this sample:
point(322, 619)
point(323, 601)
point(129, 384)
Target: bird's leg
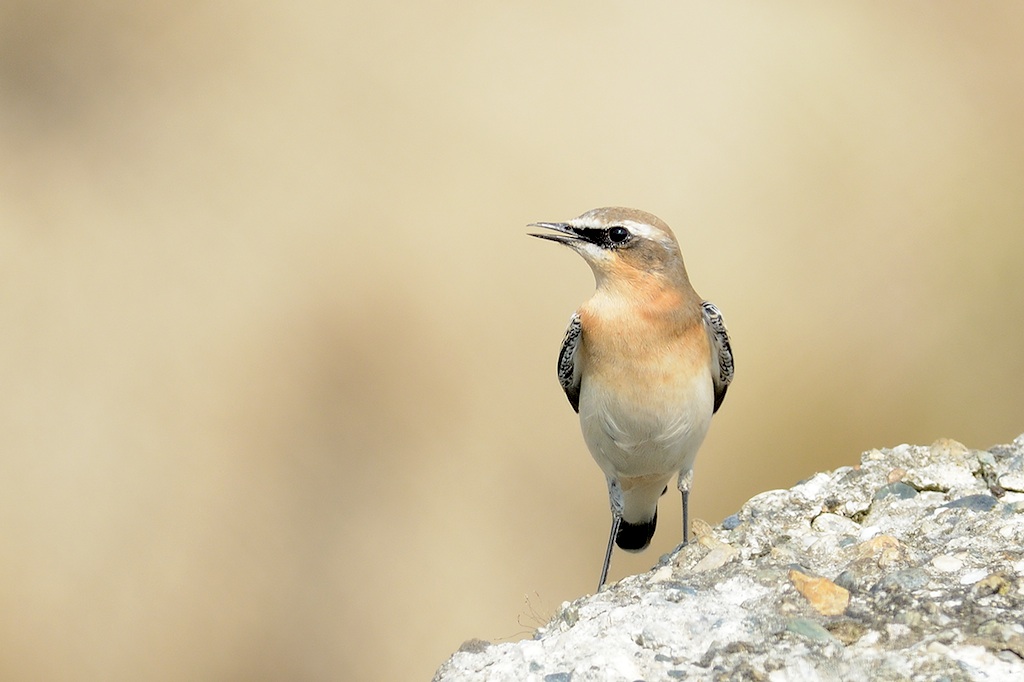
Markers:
point(616, 520)
point(615, 501)
point(684, 483)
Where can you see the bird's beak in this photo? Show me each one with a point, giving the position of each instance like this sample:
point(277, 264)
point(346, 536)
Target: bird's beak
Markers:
point(566, 233)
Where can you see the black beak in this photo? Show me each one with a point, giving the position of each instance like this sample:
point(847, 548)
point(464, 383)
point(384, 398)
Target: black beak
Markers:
point(566, 233)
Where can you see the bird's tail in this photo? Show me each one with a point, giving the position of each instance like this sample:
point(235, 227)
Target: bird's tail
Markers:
point(634, 537)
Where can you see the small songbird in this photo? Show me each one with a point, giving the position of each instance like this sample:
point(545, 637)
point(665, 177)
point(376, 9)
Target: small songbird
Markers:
point(645, 362)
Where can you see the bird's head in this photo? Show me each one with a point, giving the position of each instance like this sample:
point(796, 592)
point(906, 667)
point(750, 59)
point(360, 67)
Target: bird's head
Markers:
point(621, 245)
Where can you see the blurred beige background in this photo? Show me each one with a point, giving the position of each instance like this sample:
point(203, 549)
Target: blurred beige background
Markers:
point(278, 359)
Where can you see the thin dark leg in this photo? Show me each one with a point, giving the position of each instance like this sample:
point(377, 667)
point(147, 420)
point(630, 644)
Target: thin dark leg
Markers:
point(686, 516)
point(616, 520)
point(685, 480)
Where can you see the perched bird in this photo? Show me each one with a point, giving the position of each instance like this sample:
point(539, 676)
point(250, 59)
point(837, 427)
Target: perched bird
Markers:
point(645, 362)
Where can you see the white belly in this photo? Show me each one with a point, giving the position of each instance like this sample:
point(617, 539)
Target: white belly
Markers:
point(654, 432)
point(642, 438)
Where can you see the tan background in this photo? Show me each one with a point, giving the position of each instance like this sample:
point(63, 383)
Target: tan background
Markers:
point(277, 357)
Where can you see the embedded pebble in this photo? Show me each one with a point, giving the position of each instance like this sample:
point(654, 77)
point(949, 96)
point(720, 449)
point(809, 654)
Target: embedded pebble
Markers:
point(822, 594)
point(947, 563)
point(898, 489)
point(971, 577)
point(974, 503)
point(834, 523)
point(1013, 481)
point(809, 629)
point(908, 580)
point(716, 558)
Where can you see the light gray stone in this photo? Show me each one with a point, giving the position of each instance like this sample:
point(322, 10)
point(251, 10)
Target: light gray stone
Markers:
point(934, 564)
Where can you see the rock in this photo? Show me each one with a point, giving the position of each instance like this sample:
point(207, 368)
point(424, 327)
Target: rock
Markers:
point(474, 646)
point(910, 566)
point(733, 520)
point(975, 502)
point(898, 489)
point(1013, 481)
point(716, 558)
point(721, 552)
point(947, 563)
point(825, 596)
point(809, 629)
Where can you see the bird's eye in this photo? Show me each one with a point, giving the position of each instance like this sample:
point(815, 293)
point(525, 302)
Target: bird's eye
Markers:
point(618, 235)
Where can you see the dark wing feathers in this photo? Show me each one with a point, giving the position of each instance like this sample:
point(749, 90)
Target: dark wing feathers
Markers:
point(568, 374)
point(722, 364)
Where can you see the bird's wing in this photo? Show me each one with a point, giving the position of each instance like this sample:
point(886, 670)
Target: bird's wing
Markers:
point(721, 351)
point(568, 372)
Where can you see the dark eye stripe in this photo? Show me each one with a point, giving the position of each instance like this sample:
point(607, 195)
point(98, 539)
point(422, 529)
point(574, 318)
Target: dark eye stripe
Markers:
point(592, 234)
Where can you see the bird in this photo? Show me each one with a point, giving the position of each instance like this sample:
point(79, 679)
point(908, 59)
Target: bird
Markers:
point(645, 362)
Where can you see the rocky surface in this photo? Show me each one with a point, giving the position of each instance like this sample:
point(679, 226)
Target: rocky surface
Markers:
point(909, 566)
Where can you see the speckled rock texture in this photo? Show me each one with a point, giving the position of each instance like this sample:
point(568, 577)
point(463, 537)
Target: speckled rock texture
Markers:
point(907, 567)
